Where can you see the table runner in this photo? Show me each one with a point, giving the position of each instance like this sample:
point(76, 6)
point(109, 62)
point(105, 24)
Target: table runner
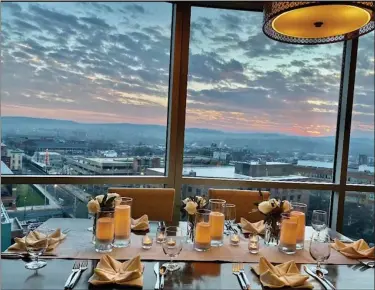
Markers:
point(78, 245)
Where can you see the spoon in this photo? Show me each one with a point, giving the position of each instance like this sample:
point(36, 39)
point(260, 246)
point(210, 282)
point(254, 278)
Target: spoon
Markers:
point(162, 272)
point(320, 274)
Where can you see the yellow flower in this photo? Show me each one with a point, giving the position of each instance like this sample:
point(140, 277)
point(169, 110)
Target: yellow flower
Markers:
point(191, 207)
point(93, 206)
point(265, 207)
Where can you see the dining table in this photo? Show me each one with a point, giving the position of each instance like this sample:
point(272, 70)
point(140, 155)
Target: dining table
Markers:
point(193, 273)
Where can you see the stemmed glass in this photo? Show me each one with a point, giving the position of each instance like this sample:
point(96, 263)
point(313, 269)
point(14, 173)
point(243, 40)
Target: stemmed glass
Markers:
point(36, 242)
point(320, 250)
point(172, 246)
point(230, 217)
point(319, 220)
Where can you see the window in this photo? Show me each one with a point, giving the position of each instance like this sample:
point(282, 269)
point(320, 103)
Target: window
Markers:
point(361, 159)
point(359, 216)
point(86, 84)
point(190, 189)
point(298, 197)
point(291, 198)
point(257, 108)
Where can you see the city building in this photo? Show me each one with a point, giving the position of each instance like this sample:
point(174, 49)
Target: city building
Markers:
point(100, 166)
point(259, 168)
point(8, 194)
point(4, 155)
point(362, 159)
point(16, 156)
point(49, 158)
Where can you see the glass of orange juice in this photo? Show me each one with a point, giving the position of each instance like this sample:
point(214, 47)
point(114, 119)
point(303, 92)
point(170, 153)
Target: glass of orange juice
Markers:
point(122, 222)
point(105, 231)
point(217, 220)
point(202, 236)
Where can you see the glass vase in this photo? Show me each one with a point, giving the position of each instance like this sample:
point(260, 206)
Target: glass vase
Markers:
point(190, 228)
point(202, 238)
point(105, 231)
point(217, 220)
point(272, 233)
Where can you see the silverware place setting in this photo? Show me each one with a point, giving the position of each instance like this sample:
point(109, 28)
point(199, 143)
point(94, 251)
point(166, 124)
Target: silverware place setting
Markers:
point(78, 268)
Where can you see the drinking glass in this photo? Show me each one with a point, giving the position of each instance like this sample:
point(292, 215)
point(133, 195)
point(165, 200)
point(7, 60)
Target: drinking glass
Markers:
point(288, 234)
point(105, 231)
point(299, 211)
point(36, 242)
point(122, 222)
point(217, 220)
point(172, 246)
point(230, 216)
point(202, 237)
point(319, 220)
point(320, 250)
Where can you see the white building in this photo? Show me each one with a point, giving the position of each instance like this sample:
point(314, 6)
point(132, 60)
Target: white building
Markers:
point(16, 156)
point(52, 159)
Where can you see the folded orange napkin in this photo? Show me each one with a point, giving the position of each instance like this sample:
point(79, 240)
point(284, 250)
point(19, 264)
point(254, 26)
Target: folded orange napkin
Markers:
point(111, 271)
point(248, 227)
point(356, 250)
point(36, 237)
point(286, 274)
point(140, 224)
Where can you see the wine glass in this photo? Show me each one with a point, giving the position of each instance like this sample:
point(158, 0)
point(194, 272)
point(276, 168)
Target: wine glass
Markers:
point(36, 243)
point(319, 220)
point(230, 214)
point(320, 250)
point(172, 246)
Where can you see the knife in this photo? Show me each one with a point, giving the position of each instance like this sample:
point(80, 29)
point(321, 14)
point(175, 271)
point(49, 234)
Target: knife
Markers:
point(324, 283)
point(156, 270)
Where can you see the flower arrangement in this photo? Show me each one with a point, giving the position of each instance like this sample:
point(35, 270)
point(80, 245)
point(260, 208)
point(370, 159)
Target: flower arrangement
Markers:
point(189, 207)
point(101, 202)
point(272, 210)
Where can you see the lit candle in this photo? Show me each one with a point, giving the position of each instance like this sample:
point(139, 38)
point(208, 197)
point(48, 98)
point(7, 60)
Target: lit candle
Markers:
point(171, 242)
point(234, 239)
point(216, 220)
point(202, 233)
point(146, 242)
point(122, 222)
point(105, 229)
point(288, 233)
point(160, 238)
point(253, 245)
point(301, 222)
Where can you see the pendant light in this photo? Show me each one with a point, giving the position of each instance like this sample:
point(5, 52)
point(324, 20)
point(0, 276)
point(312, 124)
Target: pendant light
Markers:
point(317, 22)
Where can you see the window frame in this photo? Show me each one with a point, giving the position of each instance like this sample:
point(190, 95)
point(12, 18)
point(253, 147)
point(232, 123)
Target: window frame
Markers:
point(179, 61)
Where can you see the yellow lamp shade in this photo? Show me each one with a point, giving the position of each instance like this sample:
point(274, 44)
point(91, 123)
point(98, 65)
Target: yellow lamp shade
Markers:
point(317, 22)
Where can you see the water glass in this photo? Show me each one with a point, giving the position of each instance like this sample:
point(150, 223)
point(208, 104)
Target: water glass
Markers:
point(253, 244)
point(230, 216)
point(172, 246)
point(202, 235)
point(299, 211)
point(320, 250)
point(319, 220)
point(288, 234)
point(105, 231)
point(36, 242)
point(122, 222)
point(217, 220)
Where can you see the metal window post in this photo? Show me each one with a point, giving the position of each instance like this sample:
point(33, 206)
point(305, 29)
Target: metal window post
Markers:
point(177, 99)
point(344, 120)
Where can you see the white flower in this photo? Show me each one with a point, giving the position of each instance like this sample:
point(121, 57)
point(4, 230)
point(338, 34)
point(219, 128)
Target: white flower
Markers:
point(274, 203)
point(265, 207)
point(99, 198)
point(109, 195)
point(191, 207)
point(93, 206)
point(186, 200)
point(286, 206)
point(202, 203)
point(199, 198)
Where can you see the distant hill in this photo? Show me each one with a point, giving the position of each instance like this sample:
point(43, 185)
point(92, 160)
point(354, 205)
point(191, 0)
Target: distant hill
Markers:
point(156, 134)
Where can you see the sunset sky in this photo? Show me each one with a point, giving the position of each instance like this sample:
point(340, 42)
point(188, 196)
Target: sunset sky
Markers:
point(99, 63)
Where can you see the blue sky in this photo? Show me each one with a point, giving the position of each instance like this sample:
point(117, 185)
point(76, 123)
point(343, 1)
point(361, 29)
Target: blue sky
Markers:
point(109, 62)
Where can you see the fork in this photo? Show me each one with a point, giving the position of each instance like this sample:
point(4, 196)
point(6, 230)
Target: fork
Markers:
point(242, 271)
point(369, 264)
point(82, 268)
point(236, 271)
point(75, 269)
